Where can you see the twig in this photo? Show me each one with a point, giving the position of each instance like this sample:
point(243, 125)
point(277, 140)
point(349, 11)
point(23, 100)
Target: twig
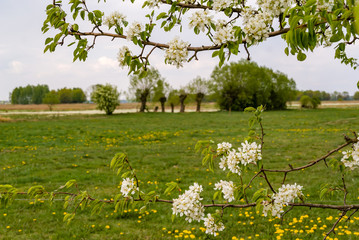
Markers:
point(351, 215)
point(282, 216)
point(315, 161)
point(265, 177)
point(335, 224)
point(345, 190)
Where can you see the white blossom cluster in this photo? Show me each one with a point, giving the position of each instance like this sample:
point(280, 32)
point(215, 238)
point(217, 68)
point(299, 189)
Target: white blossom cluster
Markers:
point(327, 35)
point(218, 5)
point(231, 161)
point(286, 194)
point(223, 147)
point(249, 153)
point(128, 187)
point(275, 7)
point(351, 157)
point(153, 3)
point(200, 19)
point(189, 204)
point(256, 25)
point(134, 30)
point(227, 188)
point(211, 226)
point(187, 1)
point(224, 33)
point(114, 18)
point(326, 5)
point(177, 52)
point(122, 53)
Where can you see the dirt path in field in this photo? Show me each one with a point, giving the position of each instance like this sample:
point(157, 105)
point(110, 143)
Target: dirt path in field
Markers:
point(87, 112)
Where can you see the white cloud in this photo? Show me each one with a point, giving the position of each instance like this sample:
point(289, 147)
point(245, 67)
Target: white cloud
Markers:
point(104, 63)
point(16, 67)
point(63, 67)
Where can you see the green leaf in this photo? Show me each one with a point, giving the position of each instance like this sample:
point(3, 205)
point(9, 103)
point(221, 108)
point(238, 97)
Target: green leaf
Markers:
point(259, 194)
point(301, 56)
point(48, 40)
point(335, 38)
point(249, 109)
point(215, 195)
point(70, 183)
point(161, 15)
point(286, 51)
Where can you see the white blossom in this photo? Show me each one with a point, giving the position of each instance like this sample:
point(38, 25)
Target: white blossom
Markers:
point(153, 3)
point(128, 187)
point(189, 204)
point(227, 188)
point(211, 226)
point(326, 5)
point(122, 53)
point(114, 18)
point(223, 34)
point(134, 30)
point(250, 153)
point(256, 25)
point(218, 5)
point(233, 159)
point(223, 147)
point(286, 194)
point(351, 157)
point(327, 35)
point(275, 7)
point(200, 19)
point(177, 52)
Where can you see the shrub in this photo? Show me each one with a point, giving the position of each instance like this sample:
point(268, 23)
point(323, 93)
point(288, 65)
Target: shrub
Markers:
point(106, 98)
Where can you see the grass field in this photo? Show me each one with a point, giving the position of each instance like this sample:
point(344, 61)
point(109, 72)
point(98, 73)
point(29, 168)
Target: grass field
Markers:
point(50, 150)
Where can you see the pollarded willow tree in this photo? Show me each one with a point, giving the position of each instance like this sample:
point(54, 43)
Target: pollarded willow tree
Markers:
point(304, 25)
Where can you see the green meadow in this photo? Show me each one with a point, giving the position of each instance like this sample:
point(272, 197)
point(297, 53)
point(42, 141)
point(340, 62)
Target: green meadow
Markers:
point(50, 150)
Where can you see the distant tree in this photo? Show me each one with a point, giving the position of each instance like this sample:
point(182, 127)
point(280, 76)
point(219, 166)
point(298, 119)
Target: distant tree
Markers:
point(335, 95)
point(65, 95)
point(160, 91)
point(51, 98)
point(29, 94)
point(142, 87)
point(198, 87)
point(173, 99)
point(345, 95)
point(106, 97)
point(356, 96)
point(242, 84)
point(309, 102)
point(38, 93)
point(78, 95)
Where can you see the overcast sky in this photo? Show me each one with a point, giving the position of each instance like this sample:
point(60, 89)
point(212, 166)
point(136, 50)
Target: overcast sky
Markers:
point(23, 62)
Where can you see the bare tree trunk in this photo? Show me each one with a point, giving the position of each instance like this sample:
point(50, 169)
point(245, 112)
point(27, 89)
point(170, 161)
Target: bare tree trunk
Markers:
point(199, 98)
point(172, 107)
point(182, 107)
point(163, 101)
point(143, 105)
point(182, 97)
point(143, 99)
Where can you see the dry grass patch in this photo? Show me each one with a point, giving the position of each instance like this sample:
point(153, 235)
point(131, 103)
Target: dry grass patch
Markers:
point(5, 119)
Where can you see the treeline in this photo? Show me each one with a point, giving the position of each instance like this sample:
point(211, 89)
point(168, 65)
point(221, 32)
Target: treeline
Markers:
point(325, 96)
point(234, 87)
point(41, 94)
